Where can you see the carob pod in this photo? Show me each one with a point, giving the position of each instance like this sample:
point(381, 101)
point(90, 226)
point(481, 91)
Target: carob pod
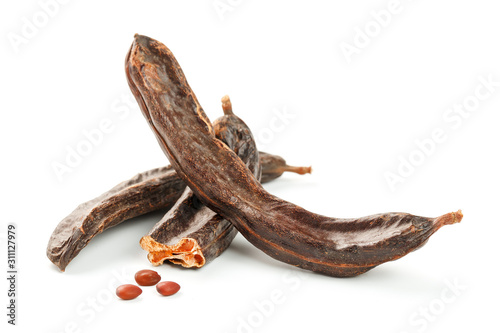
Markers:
point(333, 246)
point(149, 191)
point(146, 192)
point(191, 234)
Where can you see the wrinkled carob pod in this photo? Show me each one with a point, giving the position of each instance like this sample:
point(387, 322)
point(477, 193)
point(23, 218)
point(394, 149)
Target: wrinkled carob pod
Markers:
point(333, 246)
point(146, 192)
point(152, 190)
point(191, 234)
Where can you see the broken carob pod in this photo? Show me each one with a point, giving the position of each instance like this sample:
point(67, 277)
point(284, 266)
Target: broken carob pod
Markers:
point(191, 234)
point(333, 246)
point(149, 191)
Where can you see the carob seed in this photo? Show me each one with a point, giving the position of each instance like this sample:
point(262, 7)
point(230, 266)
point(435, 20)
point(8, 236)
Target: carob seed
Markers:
point(128, 291)
point(147, 277)
point(167, 288)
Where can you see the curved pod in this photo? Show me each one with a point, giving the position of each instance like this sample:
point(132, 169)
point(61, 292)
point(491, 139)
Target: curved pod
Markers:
point(334, 246)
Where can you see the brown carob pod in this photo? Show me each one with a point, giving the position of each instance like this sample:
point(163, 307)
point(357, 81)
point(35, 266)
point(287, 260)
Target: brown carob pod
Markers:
point(191, 234)
point(333, 246)
point(146, 192)
point(152, 190)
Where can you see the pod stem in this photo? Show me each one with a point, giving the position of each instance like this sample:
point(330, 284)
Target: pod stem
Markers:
point(450, 218)
point(227, 107)
point(301, 170)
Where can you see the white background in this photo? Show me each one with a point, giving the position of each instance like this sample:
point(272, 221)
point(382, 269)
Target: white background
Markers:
point(353, 118)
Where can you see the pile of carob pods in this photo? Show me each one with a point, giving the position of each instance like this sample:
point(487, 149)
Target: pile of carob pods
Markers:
point(212, 190)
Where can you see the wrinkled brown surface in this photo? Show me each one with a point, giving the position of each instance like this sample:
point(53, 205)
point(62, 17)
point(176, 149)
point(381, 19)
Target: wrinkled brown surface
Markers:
point(333, 246)
point(152, 190)
point(148, 191)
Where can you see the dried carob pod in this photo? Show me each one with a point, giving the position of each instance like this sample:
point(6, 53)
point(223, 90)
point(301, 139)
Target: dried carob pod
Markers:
point(152, 190)
point(191, 234)
point(333, 246)
point(146, 192)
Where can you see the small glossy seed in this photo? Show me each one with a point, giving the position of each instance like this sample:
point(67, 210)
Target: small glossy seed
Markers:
point(167, 288)
point(128, 291)
point(147, 277)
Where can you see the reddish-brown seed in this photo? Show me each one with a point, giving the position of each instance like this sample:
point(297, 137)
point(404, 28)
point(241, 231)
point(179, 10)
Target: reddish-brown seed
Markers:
point(128, 291)
point(147, 277)
point(167, 288)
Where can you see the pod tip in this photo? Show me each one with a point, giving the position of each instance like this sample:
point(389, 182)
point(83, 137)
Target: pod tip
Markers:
point(458, 216)
point(227, 107)
point(450, 218)
point(301, 170)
